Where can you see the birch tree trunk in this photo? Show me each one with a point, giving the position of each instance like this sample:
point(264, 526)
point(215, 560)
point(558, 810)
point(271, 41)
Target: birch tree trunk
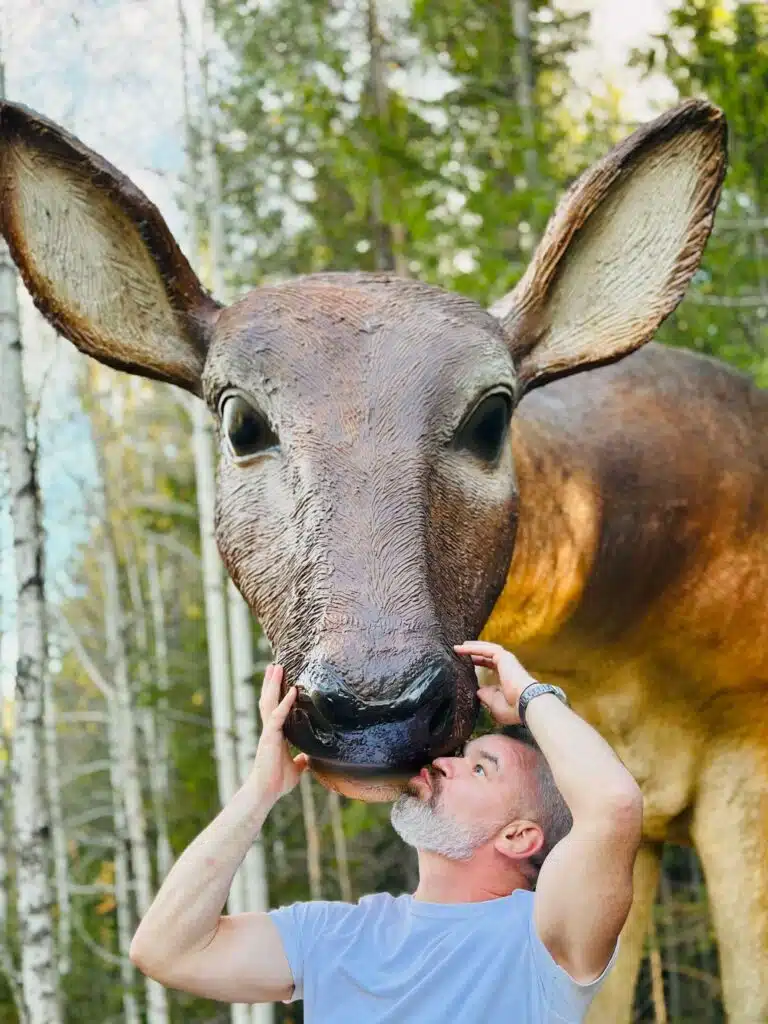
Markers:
point(126, 750)
point(31, 824)
point(521, 18)
point(215, 608)
point(253, 873)
point(123, 904)
point(162, 748)
point(340, 846)
point(314, 865)
point(7, 965)
point(146, 715)
point(388, 239)
point(246, 735)
point(60, 859)
point(125, 922)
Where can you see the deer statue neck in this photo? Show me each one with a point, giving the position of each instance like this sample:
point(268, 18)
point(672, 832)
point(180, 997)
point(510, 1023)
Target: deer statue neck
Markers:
point(557, 535)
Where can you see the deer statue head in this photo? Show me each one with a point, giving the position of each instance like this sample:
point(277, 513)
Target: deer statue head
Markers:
point(367, 503)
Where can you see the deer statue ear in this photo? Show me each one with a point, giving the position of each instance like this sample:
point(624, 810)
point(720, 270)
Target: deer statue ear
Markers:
point(620, 249)
point(97, 257)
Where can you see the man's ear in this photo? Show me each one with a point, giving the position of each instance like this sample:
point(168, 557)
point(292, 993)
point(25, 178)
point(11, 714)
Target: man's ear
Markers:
point(97, 257)
point(519, 840)
point(620, 249)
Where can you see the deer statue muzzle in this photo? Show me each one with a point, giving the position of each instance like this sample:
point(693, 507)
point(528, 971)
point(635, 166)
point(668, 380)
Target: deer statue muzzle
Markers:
point(367, 500)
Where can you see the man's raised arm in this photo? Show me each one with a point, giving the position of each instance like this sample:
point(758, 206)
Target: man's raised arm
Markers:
point(183, 940)
point(584, 889)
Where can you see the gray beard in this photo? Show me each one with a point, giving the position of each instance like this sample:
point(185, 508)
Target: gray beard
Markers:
point(421, 824)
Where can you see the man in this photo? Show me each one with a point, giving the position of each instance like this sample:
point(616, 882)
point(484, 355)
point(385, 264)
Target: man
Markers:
point(549, 807)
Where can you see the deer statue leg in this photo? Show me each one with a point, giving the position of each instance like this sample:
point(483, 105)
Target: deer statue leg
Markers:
point(730, 830)
point(614, 1002)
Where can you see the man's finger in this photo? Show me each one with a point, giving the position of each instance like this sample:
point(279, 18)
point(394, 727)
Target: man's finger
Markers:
point(479, 647)
point(483, 661)
point(270, 690)
point(281, 712)
point(302, 762)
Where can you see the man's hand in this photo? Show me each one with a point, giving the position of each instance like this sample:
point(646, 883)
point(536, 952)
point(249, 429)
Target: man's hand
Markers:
point(274, 771)
point(501, 700)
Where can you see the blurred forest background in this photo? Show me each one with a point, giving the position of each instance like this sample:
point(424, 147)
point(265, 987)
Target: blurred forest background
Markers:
point(281, 137)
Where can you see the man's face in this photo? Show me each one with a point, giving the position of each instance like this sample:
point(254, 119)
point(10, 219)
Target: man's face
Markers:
point(458, 804)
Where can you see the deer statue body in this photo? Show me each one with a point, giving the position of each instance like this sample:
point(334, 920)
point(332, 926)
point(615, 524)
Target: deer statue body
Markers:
point(379, 502)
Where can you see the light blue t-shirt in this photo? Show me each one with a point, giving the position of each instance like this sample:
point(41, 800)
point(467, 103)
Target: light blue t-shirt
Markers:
point(393, 960)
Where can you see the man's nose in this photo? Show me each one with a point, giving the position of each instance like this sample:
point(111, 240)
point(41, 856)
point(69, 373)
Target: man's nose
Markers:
point(447, 766)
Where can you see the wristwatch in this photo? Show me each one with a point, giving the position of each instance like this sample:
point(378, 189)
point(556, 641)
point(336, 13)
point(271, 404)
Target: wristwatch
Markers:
point(533, 690)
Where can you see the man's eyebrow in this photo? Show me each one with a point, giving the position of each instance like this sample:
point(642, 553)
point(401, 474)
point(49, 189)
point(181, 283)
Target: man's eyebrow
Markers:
point(488, 757)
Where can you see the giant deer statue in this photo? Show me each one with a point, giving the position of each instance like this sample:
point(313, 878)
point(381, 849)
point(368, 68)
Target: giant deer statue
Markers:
point(394, 478)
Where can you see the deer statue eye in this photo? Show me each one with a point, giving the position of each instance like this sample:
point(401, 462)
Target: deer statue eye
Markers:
point(246, 429)
point(484, 432)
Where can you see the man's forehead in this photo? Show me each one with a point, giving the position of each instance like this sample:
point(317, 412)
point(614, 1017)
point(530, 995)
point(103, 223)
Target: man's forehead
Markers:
point(503, 748)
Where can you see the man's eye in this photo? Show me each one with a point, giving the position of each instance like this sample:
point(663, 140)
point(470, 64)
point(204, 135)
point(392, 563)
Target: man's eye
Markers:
point(479, 768)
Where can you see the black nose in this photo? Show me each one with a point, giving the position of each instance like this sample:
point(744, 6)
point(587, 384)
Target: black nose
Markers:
point(332, 721)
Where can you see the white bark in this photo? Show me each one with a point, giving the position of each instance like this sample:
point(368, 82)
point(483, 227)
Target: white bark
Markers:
point(146, 715)
point(521, 16)
point(157, 605)
point(215, 609)
point(31, 824)
point(120, 840)
point(125, 918)
point(253, 873)
point(7, 965)
point(124, 747)
point(340, 846)
point(388, 240)
point(243, 668)
point(246, 735)
point(309, 810)
point(60, 859)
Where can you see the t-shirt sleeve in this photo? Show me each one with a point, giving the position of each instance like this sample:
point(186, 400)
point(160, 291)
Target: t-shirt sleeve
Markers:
point(292, 923)
point(300, 925)
point(566, 998)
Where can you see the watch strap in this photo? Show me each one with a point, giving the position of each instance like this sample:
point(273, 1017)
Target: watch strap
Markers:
point(536, 689)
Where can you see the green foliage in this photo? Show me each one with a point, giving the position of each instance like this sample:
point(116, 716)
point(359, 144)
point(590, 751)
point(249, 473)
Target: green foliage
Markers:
point(497, 186)
point(354, 138)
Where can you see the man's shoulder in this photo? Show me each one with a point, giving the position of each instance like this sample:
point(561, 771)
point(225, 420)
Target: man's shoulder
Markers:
point(372, 905)
point(334, 910)
point(379, 900)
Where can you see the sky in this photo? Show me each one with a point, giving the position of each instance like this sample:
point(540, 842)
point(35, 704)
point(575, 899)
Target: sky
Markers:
point(109, 71)
point(617, 26)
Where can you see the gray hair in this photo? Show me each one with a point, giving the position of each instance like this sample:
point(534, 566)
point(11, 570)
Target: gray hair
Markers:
point(551, 810)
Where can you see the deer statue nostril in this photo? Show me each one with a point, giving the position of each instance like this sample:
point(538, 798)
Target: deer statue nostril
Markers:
point(391, 726)
point(334, 706)
point(441, 718)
